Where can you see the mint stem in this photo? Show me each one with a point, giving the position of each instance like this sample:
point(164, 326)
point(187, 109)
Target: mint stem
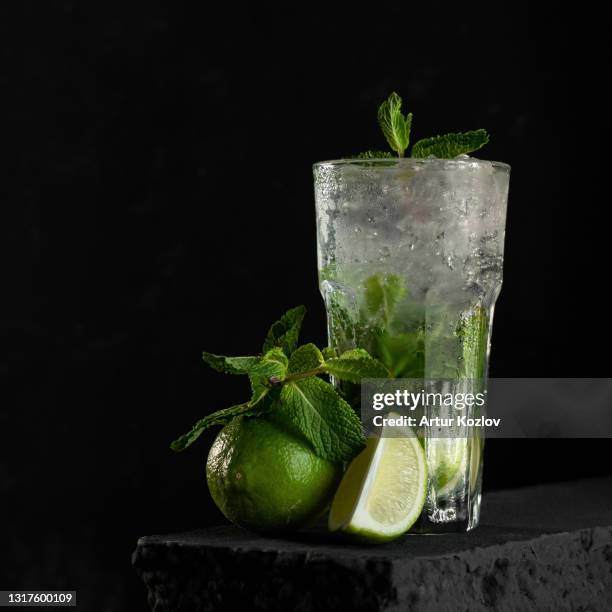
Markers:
point(275, 380)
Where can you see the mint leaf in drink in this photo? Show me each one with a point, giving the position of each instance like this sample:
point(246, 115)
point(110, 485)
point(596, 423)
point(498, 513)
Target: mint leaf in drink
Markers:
point(313, 409)
point(448, 146)
point(394, 126)
point(341, 325)
point(403, 354)
point(305, 359)
point(355, 365)
point(285, 332)
point(373, 155)
point(474, 333)
point(230, 365)
point(382, 293)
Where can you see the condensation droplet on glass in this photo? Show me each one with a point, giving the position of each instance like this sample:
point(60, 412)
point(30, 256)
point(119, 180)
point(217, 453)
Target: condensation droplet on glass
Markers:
point(385, 253)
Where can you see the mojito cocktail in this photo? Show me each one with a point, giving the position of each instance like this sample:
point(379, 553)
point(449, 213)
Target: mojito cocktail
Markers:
point(410, 256)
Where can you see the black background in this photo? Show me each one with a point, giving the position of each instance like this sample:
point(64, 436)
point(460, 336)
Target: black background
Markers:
point(159, 180)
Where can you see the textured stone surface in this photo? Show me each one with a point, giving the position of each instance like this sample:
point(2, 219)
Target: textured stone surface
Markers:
point(540, 548)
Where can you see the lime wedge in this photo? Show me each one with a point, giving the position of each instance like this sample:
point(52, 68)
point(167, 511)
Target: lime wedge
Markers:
point(383, 490)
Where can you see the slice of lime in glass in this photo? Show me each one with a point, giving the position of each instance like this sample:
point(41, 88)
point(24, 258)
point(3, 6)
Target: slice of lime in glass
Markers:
point(447, 459)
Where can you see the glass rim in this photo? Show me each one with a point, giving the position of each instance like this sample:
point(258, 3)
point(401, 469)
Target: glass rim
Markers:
point(469, 162)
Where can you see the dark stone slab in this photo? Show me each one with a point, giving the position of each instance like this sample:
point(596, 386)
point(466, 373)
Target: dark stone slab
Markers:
point(540, 548)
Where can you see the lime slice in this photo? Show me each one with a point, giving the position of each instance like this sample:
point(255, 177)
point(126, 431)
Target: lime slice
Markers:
point(475, 459)
point(448, 462)
point(447, 458)
point(383, 490)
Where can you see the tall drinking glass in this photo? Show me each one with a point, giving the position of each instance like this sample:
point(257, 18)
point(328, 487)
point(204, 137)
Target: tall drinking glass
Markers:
point(410, 255)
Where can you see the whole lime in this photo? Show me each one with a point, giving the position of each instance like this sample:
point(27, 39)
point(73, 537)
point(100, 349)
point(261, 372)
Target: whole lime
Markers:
point(264, 478)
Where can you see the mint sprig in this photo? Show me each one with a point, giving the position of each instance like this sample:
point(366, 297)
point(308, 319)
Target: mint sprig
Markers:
point(285, 380)
point(396, 129)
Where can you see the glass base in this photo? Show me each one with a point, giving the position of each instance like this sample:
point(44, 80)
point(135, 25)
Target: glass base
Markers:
point(449, 515)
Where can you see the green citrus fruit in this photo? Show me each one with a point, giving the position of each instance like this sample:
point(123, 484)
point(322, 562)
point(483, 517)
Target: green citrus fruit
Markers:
point(266, 479)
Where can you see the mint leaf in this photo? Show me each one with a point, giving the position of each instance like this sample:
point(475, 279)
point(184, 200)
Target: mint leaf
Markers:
point(448, 146)
point(393, 125)
point(341, 326)
point(230, 365)
point(305, 359)
point(408, 127)
point(285, 332)
point(312, 408)
point(272, 364)
point(474, 334)
point(221, 417)
point(355, 365)
point(382, 295)
point(372, 155)
point(402, 354)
